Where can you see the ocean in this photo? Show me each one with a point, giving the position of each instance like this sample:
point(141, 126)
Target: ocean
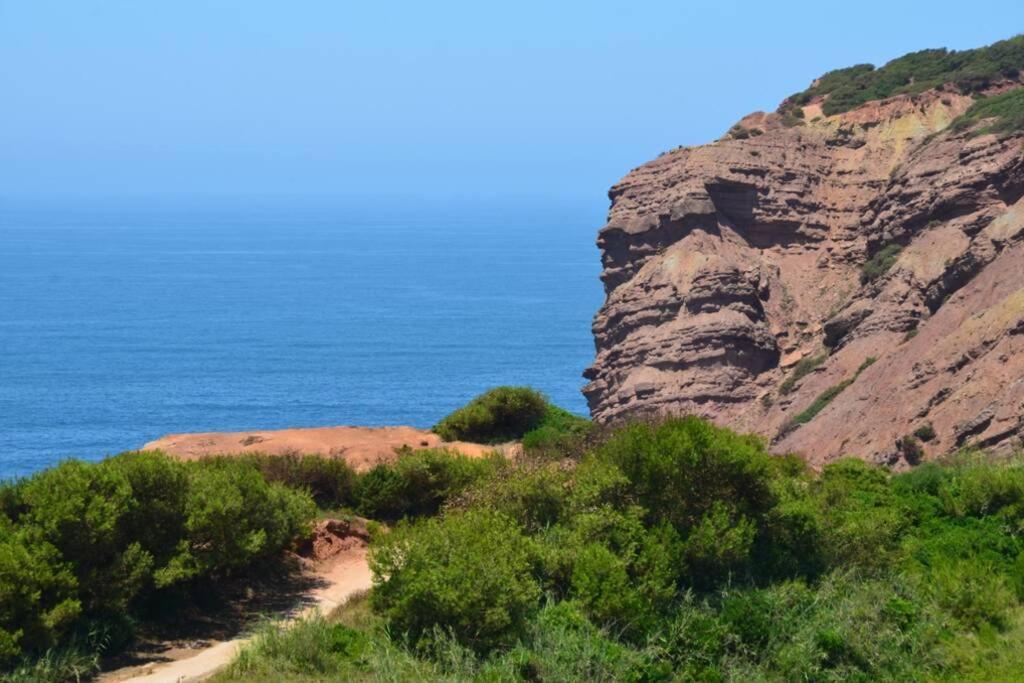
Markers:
point(119, 326)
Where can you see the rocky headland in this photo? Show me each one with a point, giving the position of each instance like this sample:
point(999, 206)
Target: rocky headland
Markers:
point(842, 277)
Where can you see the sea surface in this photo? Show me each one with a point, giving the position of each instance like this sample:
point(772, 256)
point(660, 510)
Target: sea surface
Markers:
point(119, 326)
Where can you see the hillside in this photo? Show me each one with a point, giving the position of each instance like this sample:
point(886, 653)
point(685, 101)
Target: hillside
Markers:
point(844, 276)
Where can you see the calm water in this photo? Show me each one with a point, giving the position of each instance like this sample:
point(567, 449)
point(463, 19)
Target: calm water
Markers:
point(115, 330)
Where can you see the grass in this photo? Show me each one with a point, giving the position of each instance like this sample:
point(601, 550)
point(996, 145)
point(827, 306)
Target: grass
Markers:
point(803, 368)
point(823, 400)
point(967, 70)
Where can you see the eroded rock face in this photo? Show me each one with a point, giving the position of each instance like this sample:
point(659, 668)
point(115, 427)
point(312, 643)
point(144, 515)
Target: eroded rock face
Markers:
point(726, 264)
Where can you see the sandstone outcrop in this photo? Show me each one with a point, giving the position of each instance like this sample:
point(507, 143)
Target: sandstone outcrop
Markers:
point(737, 285)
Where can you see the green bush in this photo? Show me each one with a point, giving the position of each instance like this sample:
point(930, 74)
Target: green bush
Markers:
point(559, 432)
point(532, 493)
point(313, 647)
point(233, 517)
point(468, 573)
point(667, 463)
point(380, 493)
point(38, 594)
point(330, 481)
point(82, 545)
point(880, 263)
point(419, 483)
point(501, 414)
point(925, 432)
point(83, 511)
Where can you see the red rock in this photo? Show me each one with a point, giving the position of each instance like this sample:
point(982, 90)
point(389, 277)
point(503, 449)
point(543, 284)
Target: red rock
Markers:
point(725, 263)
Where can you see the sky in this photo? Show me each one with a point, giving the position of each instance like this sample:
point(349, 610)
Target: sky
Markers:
point(332, 101)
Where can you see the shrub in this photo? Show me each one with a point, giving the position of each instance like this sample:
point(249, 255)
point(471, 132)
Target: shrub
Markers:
point(330, 481)
point(559, 431)
point(38, 594)
point(880, 263)
point(468, 573)
point(418, 483)
point(969, 70)
point(911, 449)
point(84, 511)
point(432, 477)
point(534, 494)
point(819, 404)
point(311, 647)
point(667, 463)
point(972, 592)
point(159, 486)
point(89, 541)
point(861, 520)
point(380, 493)
point(925, 432)
point(602, 584)
point(978, 489)
point(234, 517)
point(501, 414)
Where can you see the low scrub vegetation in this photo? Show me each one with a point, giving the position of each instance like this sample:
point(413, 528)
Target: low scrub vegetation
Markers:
point(1001, 114)
point(681, 551)
point(509, 414)
point(967, 70)
point(822, 400)
point(880, 264)
point(803, 368)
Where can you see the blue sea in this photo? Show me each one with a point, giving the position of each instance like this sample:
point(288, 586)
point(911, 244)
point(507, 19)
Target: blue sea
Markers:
point(119, 325)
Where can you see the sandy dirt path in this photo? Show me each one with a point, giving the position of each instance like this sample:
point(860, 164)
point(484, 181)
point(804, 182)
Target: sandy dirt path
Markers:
point(337, 582)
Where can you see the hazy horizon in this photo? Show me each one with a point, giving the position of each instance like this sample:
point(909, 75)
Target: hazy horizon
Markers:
point(122, 102)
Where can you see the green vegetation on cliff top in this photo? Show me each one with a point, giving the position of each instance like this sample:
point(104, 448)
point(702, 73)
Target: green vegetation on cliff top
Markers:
point(967, 70)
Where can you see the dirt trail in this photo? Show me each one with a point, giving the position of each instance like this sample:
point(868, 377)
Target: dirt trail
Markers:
point(337, 578)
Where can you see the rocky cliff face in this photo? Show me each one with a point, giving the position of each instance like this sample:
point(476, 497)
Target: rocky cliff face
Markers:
point(834, 283)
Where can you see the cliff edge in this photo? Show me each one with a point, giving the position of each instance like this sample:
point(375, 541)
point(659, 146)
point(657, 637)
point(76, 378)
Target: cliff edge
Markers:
point(844, 276)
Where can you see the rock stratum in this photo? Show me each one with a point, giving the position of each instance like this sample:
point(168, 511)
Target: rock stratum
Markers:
point(835, 283)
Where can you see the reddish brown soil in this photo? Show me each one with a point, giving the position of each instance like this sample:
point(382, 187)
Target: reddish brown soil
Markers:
point(360, 447)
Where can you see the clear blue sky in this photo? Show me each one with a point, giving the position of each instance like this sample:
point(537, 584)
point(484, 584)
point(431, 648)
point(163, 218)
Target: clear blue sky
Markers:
point(315, 99)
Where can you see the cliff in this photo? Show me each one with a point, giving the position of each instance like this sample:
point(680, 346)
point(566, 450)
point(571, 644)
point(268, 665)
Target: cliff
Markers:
point(836, 275)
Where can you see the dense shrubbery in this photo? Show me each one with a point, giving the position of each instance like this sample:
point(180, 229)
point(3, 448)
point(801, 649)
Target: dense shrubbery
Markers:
point(81, 544)
point(679, 551)
point(968, 70)
point(418, 483)
point(511, 413)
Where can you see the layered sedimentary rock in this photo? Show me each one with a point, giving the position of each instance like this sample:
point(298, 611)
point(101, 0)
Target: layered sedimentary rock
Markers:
point(728, 264)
